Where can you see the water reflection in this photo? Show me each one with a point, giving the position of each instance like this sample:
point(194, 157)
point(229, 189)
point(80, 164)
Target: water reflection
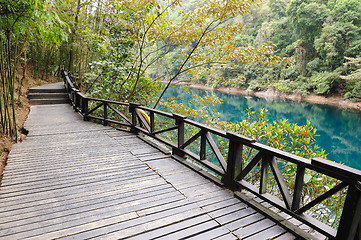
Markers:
point(338, 128)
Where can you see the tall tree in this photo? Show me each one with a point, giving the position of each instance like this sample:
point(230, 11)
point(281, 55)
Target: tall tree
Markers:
point(341, 30)
point(307, 18)
point(205, 36)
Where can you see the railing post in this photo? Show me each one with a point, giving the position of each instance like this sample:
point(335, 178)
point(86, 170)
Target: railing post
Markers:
point(76, 100)
point(351, 213)
point(66, 85)
point(105, 116)
point(234, 161)
point(203, 146)
point(65, 76)
point(132, 108)
point(72, 96)
point(152, 127)
point(84, 108)
point(297, 193)
point(266, 159)
point(179, 121)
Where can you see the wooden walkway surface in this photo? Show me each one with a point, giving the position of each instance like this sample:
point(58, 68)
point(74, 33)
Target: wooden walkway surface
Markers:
point(72, 179)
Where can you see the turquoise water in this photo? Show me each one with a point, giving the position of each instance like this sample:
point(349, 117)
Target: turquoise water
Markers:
point(339, 129)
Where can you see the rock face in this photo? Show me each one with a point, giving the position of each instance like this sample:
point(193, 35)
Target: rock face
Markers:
point(48, 94)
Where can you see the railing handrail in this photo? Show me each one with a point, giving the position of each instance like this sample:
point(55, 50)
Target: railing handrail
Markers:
point(227, 167)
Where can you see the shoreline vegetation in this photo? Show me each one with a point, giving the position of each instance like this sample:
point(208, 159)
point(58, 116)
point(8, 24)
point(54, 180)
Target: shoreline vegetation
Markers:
point(334, 100)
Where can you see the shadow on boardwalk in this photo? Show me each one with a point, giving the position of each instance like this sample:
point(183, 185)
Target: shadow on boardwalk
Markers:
point(77, 180)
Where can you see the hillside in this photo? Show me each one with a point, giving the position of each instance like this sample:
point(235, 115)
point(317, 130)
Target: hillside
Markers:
point(324, 38)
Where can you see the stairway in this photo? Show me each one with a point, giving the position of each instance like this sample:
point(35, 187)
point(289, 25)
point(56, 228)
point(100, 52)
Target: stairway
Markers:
point(48, 94)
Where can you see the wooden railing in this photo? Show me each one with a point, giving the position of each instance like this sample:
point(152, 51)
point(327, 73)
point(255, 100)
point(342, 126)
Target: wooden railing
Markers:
point(232, 170)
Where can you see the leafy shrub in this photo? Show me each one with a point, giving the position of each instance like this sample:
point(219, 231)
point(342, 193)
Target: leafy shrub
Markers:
point(348, 95)
point(289, 73)
point(257, 85)
point(302, 88)
point(324, 82)
point(314, 65)
point(355, 93)
point(283, 86)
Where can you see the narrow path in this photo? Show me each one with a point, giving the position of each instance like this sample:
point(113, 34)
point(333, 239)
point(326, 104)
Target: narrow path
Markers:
point(72, 179)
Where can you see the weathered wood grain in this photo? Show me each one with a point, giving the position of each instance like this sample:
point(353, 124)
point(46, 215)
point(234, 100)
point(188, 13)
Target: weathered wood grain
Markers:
point(72, 179)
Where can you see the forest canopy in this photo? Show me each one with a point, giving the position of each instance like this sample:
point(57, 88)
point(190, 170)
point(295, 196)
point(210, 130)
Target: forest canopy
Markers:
point(120, 49)
point(321, 35)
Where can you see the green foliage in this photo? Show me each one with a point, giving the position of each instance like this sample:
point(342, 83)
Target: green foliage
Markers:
point(318, 34)
point(323, 82)
point(256, 85)
point(284, 86)
point(353, 80)
point(293, 138)
point(299, 140)
point(21, 22)
point(307, 18)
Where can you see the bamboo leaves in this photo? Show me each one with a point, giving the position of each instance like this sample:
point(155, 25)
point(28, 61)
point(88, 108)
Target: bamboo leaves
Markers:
point(20, 21)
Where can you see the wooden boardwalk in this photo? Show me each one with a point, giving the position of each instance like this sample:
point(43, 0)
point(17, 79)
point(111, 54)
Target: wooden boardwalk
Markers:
point(72, 179)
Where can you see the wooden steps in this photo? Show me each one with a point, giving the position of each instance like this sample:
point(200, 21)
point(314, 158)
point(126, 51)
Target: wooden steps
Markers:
point(48, 94)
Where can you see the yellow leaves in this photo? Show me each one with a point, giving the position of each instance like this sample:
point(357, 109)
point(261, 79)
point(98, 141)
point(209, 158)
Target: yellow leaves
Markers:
point(235, 81)
point(183, 109)
point(207, 100)
point(203, 37)
point(176, 3)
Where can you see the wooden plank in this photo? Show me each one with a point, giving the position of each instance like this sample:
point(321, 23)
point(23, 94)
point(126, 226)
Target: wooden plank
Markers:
point(240, 223)
point(53, 203)
point(176, 230)
point(94, 216)
point(236, 215)
point(151, 157)
point(286, 236)
point(66, 185)
point(254, 228)
point(269, 233)
point(55, 193)
point(211, 198)
point(90, 208)
point(93, 165)
point(228, 236)
point(200, 227)
point(53, 176)
point(140, 224)
point(91, 226)
point(40, 212)
point(49, 158)
point(74, 180)
point(181, 179)
point(211, 234)
point(223, 204)
point(164, 207)
point(63, 196)
point(67, 159)
point(279, 219)
point(53, 179)
point(228, 210)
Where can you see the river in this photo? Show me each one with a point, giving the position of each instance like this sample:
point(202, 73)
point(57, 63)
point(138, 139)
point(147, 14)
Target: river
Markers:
point(339, 128)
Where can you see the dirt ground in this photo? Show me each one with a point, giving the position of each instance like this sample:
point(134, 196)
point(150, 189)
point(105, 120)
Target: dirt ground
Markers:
point(22, 111)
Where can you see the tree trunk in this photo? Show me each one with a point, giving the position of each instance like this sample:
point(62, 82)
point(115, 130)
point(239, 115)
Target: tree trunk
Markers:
point(72, 37)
